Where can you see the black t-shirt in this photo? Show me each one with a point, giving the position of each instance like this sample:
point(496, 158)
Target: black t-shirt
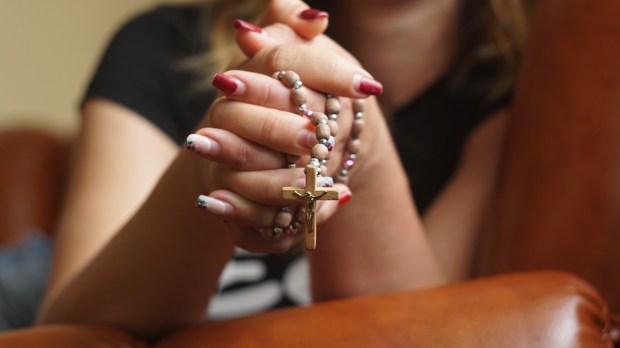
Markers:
point(143, 70)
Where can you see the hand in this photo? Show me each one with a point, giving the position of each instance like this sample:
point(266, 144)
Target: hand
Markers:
point(238, 135)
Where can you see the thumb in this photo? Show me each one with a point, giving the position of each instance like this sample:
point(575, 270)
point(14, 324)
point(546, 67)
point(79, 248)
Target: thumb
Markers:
point(305, 21)
point(327, 209)
point(285, 22)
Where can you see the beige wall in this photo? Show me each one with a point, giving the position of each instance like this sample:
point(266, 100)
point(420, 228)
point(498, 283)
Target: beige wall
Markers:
point(48, 49)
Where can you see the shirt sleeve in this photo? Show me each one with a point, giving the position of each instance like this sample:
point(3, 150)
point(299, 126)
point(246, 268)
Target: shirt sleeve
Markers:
point(140, 70)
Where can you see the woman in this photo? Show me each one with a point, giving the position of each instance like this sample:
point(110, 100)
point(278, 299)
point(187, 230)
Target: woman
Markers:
point(127, 239)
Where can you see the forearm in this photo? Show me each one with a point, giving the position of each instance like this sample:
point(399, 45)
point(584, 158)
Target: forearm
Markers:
point(375, 243)
point(158, 271)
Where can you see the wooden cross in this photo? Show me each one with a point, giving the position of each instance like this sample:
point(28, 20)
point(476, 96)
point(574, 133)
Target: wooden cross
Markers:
point(310, 195)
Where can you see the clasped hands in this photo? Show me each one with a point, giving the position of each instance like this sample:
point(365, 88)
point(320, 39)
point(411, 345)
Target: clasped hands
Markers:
point(249, 131)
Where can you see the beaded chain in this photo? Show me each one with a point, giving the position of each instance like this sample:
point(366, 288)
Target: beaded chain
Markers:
point(326, 129)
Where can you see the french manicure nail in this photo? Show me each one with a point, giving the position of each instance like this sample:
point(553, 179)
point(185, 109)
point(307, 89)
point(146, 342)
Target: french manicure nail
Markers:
point(368, 86)
point(344, 198)
point(313, 13)
point(225, 83)
point(202, 145)
point(306, 138)
point(240, 24)
point(213, 205)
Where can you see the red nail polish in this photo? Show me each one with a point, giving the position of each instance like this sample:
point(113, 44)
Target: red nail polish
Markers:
point(344, 198)
point(313, 13)
point(370, 86)
point(240, 24)
point(224, 83)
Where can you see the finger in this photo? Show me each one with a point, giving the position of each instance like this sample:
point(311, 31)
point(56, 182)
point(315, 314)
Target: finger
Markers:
point(278, 130)
point(284, 22)
point(259, 89)
point(327, 209)
point(229, 149)
point(321, 70)
point(307, 22)
point(263, 187)
point(250, 224)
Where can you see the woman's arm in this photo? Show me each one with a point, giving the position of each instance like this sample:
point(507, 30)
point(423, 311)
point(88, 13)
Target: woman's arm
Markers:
point(457, 215)
point(162, 243)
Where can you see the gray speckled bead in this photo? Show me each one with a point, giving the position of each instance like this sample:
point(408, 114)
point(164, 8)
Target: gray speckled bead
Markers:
point(332, 106)
point(354, 145)
point(299, 96)
point(358, 126)
point(319, 151)
point(358, 105)
point(322, 131)
point(333, 127)
point(290, 78)
point(318, 118)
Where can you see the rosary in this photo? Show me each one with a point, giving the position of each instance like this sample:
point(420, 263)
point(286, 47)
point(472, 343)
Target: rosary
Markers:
point(326, 128)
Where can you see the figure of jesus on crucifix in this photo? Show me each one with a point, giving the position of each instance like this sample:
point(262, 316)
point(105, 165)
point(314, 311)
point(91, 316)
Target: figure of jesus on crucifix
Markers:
point(310, 195)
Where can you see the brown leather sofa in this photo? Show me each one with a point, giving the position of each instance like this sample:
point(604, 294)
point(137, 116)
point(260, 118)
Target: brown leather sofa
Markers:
point(556, 222)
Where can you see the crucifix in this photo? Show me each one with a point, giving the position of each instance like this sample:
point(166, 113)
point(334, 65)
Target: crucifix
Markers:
point(310, 195)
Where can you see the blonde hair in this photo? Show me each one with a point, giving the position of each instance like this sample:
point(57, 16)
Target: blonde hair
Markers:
point(493, 34)
point(218, 35)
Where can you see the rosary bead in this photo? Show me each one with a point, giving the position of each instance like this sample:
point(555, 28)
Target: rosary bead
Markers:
point(323, 141)
point(299, 96)
point(332, 106)
point(290, 78)
point(297, 84)
point(331, 142)
point(308, 113)
point(358, 105)
point(358, 126)
point(315, 162)
point(333, 117)
point(303, 108)
point(348, 164)
point(278, 74)
point(283, 219)
point(318, 118)
point(319, 151)
point(358, 115)
point(322, 131)
point(354, 145)
point(291, 159)
point(333, 127)
point(292, 229)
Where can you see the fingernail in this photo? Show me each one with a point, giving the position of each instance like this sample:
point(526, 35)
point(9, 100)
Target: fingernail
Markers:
point(313, 13)
point(202, 145)
point(225, 83)
point(213, 205)
point(367, 85)
point(344, 198)
point(306, 138)
point(240, 24)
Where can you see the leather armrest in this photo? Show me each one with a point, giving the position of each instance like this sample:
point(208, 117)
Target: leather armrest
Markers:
point(69, 336)
point(541, 309)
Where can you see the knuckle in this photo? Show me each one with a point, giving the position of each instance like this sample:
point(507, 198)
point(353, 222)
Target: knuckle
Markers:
point(217, 111)
point(280, 58)
point(243, 157)
point(269, 128)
